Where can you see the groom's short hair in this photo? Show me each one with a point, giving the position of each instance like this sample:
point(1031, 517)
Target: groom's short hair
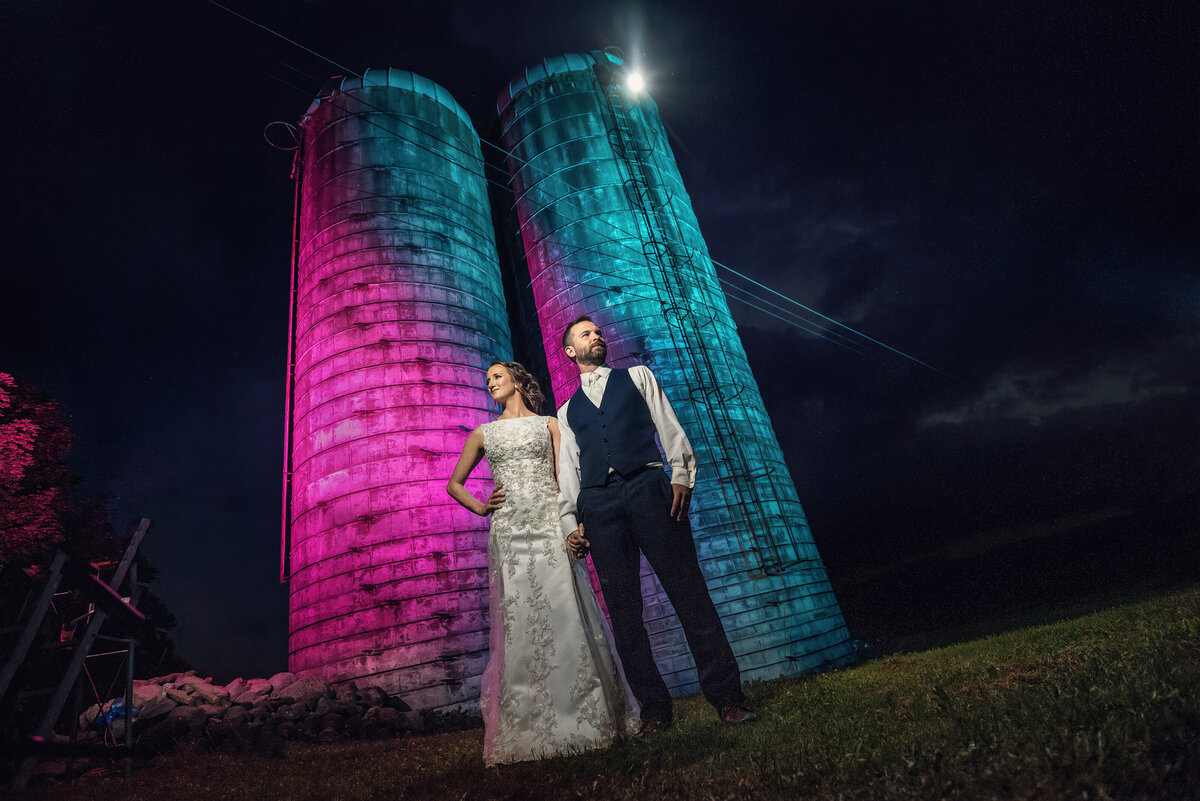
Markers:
point(567, 331)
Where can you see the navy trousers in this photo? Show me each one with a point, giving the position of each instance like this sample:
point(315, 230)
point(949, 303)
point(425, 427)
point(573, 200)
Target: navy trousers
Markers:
point(620, 519)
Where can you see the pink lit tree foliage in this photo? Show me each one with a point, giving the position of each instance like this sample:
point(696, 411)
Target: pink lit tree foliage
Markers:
point(33, 475)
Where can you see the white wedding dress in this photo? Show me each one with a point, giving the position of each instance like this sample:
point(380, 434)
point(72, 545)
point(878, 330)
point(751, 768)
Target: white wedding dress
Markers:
point(551, 685)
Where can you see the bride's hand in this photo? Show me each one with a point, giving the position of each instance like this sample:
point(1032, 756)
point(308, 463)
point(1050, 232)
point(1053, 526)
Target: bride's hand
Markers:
point(494, 502)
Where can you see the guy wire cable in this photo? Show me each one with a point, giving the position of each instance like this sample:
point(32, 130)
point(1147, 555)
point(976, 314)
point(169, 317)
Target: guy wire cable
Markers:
point(567, 199)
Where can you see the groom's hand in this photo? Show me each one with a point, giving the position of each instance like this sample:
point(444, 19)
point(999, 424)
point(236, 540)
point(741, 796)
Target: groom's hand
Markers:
point(578, 545)
point(680, 500)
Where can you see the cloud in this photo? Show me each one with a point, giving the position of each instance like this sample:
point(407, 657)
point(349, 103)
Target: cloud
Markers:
point(1035, 395)
point(815, 241)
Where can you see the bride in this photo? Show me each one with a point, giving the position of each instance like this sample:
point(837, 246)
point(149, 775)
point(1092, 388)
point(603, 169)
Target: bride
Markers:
point(551, 685)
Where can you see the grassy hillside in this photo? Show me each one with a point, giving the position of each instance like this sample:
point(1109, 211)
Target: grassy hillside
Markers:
point(1102, 706)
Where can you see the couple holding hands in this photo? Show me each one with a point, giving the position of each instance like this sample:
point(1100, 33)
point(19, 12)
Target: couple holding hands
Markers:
point(590, 480)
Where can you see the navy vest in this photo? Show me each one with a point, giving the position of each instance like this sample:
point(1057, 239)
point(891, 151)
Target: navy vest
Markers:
point(620, 434)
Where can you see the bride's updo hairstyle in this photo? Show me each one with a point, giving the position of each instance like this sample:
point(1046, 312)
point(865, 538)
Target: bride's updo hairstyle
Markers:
point(525, 383)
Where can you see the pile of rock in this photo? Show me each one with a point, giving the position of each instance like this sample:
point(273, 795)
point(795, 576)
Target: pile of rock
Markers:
point(249, 714)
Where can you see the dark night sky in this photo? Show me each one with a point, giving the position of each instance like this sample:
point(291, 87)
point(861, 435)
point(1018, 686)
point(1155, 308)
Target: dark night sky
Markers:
point(1007, 191)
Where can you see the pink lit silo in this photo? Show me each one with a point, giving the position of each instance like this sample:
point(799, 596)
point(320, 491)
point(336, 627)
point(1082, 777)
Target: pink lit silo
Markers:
point(398, 308)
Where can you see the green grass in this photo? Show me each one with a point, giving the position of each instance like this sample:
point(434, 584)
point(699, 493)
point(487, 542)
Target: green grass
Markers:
point(1103, 706)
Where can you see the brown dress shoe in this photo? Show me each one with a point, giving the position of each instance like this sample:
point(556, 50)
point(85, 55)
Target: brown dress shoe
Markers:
point(734, 714)
point(653, 726)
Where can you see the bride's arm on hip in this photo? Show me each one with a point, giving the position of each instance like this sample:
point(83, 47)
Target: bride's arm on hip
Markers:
point(471, 455)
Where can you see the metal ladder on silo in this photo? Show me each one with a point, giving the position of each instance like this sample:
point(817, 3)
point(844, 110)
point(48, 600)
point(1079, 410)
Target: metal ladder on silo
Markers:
point(662, 259)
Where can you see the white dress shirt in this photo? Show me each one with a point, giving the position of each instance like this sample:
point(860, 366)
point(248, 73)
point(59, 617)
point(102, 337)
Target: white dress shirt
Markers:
point(674, 442)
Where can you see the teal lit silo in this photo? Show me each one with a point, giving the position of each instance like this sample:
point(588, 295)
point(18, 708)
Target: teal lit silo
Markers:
point(608, 230)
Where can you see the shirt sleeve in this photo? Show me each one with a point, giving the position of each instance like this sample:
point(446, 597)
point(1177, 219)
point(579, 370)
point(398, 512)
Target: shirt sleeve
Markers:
point(675, 443)
point(568, 473)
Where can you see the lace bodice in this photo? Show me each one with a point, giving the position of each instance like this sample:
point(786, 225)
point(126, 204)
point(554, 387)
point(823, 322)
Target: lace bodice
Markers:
point(520, 454)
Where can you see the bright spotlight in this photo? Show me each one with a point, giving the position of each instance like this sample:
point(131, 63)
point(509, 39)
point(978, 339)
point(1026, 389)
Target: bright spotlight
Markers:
point(634, 82)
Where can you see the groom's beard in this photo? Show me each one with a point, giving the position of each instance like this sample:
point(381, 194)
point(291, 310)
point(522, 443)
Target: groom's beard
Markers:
point(594, 356)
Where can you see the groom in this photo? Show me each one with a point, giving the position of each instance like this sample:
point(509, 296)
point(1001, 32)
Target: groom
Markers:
point(612, 486)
